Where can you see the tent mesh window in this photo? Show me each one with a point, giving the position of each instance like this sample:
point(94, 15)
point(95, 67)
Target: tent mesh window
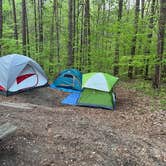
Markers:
point(68, 75)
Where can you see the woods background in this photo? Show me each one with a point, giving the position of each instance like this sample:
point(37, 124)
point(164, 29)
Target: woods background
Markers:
point(121, 37)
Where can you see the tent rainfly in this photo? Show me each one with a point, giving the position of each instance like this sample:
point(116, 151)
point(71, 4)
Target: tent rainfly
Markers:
point(98, 90)
point(19, 73)
point(69, 80)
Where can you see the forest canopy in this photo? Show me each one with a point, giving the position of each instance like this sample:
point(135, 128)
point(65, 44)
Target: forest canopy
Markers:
point(122, 37)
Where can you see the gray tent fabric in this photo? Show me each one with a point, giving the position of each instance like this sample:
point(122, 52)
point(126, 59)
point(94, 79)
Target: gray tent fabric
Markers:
point(12, 65)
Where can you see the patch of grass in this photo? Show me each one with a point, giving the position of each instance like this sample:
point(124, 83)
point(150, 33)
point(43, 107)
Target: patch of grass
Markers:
point(145, 87)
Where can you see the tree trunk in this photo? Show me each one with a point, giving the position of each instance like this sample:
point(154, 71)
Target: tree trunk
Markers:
point(57, 32)
point(81, 39)
point(160, 44)
point(24, 36)
point(15, 22)
point(150, 35)
point(74, 27)
point(133, 47)
point(142, 8)
point(70, 33)
point(103, 28)
point(87, 33)
point(27, 34)
point(1, 25)
point(77, 35)
point(116, 60)
point(52, 35)
point(97, 23)
point(40, 24)
point(35, 22)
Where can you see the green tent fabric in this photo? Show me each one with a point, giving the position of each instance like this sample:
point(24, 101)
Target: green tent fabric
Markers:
point(96, 98)
point(98, 90)
point(99, 81)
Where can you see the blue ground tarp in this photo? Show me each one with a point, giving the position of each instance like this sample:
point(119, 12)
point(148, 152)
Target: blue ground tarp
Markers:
point(64, 89)
point(71, 99)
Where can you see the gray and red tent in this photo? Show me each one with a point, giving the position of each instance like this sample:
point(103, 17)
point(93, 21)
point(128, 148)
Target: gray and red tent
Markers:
point(20, 73)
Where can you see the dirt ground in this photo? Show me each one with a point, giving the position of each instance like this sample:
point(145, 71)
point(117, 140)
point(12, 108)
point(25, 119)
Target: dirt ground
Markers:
point(50, 134)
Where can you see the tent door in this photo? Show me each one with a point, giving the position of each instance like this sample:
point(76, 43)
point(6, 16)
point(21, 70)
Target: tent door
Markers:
point(26, 79)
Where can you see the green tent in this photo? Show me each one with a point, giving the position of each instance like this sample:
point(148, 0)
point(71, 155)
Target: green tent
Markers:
point(96, 98)
point(98, 90)
point(99, 81)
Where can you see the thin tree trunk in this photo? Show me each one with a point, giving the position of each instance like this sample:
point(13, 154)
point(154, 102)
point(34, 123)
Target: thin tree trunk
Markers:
point(40, 24)
point(87, 33)
point(54, 27)
point(103, 27)
point(77, 35)
point(27, 34)
point(150, 35)
point(1, 27)
point(15, 22)
point(57, 32)
point(108, 38)
point(133, 47)
point(52, 34)
point(74, 26)
point(142, 8)
point(59, 24)
point(160, 44)
point(35, 22)
point(24, 37)
point(81, 39)
point(97, 23)
point(116, 60)
point(70, 33)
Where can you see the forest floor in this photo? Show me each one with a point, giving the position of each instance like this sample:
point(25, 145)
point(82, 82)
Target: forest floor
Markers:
point(50, 134)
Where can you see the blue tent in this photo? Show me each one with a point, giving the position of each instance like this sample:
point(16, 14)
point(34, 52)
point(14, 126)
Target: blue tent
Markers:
point(69, 80)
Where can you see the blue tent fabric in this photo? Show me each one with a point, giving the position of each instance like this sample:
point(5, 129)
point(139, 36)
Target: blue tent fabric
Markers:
point(71, 99)
point(75, 72)
point(68, 79)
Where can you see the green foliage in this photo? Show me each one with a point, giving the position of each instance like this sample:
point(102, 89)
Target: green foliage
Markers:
point(106, 32)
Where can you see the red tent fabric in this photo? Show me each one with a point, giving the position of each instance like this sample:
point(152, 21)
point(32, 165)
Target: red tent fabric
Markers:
point(23, 77)
point(2, 88)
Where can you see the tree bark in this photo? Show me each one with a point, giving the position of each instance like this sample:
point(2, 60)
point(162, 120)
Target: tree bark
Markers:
point(142, 8)
point(57, 32)
point(35, 22)
point(27, 34)
point(52, 34)
point(81, 39)
point(54, 47)
point(1, 26)
point(77, 35)
point(40, 24)
point(133, 47)
point(150, 35)
point(87, 33)
point(70, 33)
point(116, 60)
point(160, 45)
point(74, 27)
point(15, 22)
point(24, 30)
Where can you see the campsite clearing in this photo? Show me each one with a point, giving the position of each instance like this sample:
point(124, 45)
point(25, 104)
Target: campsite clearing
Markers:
point(50, 134)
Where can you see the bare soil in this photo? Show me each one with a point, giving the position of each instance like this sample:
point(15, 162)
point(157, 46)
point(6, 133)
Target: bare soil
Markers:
point(50, 134)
